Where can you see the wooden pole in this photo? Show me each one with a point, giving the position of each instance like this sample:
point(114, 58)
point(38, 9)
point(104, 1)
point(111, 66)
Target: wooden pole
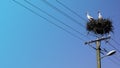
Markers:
point(98, 43)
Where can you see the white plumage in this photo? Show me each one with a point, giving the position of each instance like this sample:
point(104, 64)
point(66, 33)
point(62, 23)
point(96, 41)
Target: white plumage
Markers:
point(89, 17)
point(99, 15)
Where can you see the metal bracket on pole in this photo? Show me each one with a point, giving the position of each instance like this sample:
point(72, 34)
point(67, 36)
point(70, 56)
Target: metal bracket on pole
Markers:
point(98, 39)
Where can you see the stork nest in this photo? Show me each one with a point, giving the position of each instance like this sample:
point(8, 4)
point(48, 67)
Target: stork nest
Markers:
point(98, 26)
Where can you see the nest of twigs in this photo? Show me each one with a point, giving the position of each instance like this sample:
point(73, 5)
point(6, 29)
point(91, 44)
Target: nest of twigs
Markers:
point(98, 26)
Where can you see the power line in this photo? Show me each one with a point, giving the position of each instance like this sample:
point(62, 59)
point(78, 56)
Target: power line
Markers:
point(48, 20)
point(80, 16)
point(116, 42)
point(114, 62)
point(70, 10)
point(62, 12)
point(53, 17)
point(113, 47)
point(114, 57)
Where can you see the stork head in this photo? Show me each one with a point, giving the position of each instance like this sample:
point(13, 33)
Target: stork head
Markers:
point(98, 11)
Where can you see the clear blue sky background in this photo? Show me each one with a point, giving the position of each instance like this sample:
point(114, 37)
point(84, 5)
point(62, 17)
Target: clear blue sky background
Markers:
point(28, 41)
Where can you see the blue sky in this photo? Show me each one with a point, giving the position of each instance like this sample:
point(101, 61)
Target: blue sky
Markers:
point(28, 41)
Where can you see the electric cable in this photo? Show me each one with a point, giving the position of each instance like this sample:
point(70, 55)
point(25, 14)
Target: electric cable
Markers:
point(113, 47)
point(48, 20)
point(113, 61)
point(53, 17)
point(116, 42)
point(62, 12)
point(70, 10)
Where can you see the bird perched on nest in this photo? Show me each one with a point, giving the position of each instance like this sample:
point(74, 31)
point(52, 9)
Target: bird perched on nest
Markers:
point(100, 26)
point(90, 18)
point(99, 15)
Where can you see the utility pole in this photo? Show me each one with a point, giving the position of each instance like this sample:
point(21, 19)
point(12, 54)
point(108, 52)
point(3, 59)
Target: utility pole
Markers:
point(98, 49)
point(98, 44)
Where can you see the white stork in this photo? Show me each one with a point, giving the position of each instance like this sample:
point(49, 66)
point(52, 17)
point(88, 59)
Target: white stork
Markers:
point(90, 18)
point(99, 15)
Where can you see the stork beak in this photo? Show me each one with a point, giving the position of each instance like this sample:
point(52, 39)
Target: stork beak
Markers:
point(98, 11)
point(87, 12)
